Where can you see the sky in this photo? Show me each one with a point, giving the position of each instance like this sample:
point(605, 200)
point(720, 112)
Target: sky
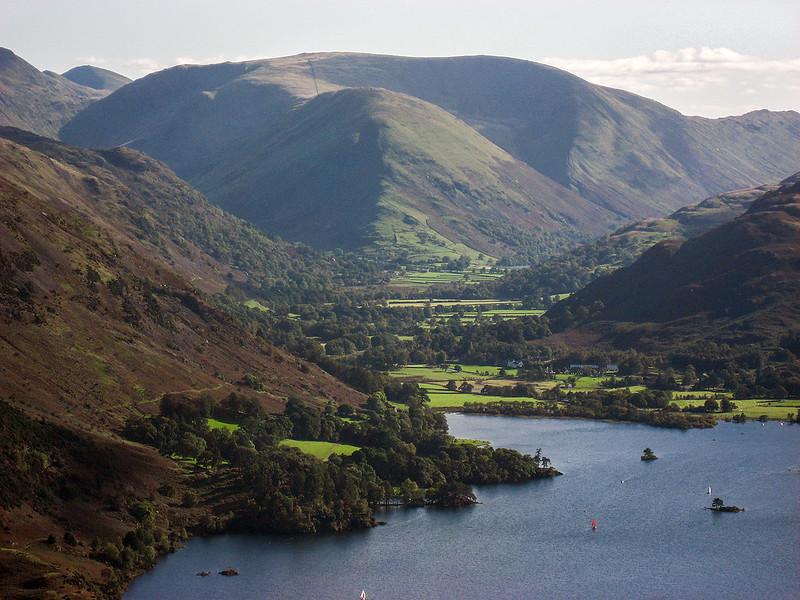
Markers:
point(703, 57)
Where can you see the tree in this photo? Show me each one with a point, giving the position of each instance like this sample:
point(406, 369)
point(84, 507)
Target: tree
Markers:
point(717, 503)
point(452, 385)
point(451, 494)
point(191, 446)
point(711, 405)
point(411, 493)
point(689, 376)
point(143, 512)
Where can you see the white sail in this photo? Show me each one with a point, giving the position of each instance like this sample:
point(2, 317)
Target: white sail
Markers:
point(709, 490)
point(363, 595)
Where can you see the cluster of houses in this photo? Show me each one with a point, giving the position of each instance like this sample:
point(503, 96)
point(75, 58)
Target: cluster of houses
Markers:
point(589, 370)
point(593, 370)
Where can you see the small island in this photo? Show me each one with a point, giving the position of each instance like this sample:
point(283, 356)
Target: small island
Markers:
point(648, 454)
point(717, 505)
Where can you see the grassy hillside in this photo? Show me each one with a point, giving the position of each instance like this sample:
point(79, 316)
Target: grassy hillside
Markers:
point(735, 284)
point(96, 78)
point(38, 101)
point(371, 167)
point(632, 156)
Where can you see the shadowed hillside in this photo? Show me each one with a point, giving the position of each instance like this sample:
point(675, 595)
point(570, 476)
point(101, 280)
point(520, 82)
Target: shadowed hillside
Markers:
point(738, 283)
point(575, 269)
point(38, 101)
point(96, 78)
point(632, 156)
point(106, 267)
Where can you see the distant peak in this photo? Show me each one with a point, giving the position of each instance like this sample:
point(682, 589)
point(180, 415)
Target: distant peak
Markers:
point(96, 77)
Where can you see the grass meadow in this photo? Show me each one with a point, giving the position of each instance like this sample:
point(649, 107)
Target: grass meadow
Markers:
point(320, 450)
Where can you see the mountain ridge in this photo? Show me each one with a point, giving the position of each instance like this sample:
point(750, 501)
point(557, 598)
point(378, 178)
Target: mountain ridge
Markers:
point(411, 168)
point(629, 156)
point(39, 101)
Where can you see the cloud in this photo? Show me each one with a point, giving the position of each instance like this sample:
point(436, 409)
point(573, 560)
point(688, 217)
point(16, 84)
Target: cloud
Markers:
point(91, 60)
point(144, 65)
point(210, 60)
point(672, 75)
point(697, 61)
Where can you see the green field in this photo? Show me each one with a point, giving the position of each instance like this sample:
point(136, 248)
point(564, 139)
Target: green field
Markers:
point(215, 424)
point(467, 373)
point(321, 450)
point(448, 399)
point(753, 408)
point(583, 382)
point(256, 305)
point(425, 278)
point(700, 395)
point(469, 442)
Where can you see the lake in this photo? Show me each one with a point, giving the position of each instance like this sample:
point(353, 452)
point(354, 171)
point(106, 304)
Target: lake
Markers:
point(533, 540)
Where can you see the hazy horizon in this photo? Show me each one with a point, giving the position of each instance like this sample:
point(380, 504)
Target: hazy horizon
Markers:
point(710, 58)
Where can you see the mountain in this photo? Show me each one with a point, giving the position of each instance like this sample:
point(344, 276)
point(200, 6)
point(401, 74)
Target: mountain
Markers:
point(363, 167)
point(574, 269)
point(629, 155)
point(111, 274)
point(96, 78)
point(738, 283)
point(38, 101)
point(109, 264)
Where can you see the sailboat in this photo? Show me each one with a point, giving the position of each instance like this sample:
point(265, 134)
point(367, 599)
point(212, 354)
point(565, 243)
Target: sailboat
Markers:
point(709, 490)
point(594, 524)
point(363, 595)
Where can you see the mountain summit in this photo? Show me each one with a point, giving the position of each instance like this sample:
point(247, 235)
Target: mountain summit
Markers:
point(96, 78)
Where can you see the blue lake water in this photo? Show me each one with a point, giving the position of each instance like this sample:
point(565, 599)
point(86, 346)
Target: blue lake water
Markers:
point(654, 538)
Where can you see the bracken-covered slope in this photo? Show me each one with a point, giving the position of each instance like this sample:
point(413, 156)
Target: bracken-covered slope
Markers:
point(365, 167)
point(630, 155)
point(738, 283)
point(108, 263)
point(572, 270)
point(38, 101)
point(96, 78)
point(103, 277)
